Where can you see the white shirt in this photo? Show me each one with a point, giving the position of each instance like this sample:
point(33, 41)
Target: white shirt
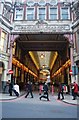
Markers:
point(16, 87)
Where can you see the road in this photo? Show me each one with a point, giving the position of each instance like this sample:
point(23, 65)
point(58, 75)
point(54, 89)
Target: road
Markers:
point(34, 108)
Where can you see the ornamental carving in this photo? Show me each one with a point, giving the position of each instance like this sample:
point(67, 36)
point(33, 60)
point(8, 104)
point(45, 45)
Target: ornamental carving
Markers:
point(41, 28)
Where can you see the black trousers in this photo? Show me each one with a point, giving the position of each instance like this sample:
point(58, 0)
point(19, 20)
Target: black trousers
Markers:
point(45, 95)
point(60, 93)
point(10, 92)
point(28, 94)
point(75, 95)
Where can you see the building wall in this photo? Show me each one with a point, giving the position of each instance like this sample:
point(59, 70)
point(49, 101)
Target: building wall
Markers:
point(5, 28)
point(75, 27)
point(30, 14)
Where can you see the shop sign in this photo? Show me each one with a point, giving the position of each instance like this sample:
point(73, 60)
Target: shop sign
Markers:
point(71, 72)
point(10, 71)
point(41, 28)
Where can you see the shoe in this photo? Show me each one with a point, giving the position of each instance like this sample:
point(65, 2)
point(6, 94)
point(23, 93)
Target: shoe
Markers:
point(40, 98)
point(62, 99)
point(73, 99)
point(25, 96)
point(31, 97)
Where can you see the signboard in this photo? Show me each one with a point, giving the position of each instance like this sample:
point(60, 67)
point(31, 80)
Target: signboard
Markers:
point(41, 28)
point(10, 71)
point(70, 72)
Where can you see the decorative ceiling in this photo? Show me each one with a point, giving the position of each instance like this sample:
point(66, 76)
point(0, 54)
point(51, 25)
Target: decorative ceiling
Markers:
point(44, 60)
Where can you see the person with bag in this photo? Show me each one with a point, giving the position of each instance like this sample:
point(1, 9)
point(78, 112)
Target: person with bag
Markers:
point(45, 94)
point(16, 89)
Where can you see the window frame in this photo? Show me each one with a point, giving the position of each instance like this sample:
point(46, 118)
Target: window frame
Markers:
point(53, 14)
point(19, 13)
point(6, 14)
point(38, 11)
point(65, 14)
point(4, 39)
point(33, 14)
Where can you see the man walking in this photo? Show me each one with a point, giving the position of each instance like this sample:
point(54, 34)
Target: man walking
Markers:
point(29, 89)
point(10, 87)
point(45, 95)
point(60, 91)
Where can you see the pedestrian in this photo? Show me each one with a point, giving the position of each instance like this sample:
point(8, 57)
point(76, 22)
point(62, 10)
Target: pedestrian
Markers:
point(60, 91)
point(52, 89)
point(16, 89)
point(75, 90)
point(10, 87)
point(40, 89)
point(29, 89)
point(45, 94)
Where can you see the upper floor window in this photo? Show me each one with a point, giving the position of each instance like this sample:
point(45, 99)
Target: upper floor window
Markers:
point(41, 13)
point(30, 14)
point(19, 13)
point(3, 41)
point(6, 14)
point(65, 14)
point(53, 14)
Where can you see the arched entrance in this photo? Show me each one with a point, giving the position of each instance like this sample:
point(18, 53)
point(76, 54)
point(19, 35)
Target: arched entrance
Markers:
point(46, 42)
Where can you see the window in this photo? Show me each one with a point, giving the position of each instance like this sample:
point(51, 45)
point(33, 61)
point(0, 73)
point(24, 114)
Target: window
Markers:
point(19, 14)
point(65, 14)
point(3, 41)
point(6, 14)
point(42, 14)
point(53, 14)
point(30, 14)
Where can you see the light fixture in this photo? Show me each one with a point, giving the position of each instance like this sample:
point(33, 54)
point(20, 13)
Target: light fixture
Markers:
point(42, 56)
point(43, 66)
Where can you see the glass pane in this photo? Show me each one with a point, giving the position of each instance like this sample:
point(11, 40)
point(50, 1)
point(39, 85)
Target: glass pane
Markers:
point(41, 10)
point(42, 17)
point(53, 17)
point(65, 17)
point(53, 10)
point(29, 17)
point(3, 35)
point(3, 38)
point(19, 14)
point(18, 17)
point(65, 11)
point(30, 13)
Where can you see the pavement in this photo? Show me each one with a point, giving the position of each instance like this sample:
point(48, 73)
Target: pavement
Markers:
point(67, 98)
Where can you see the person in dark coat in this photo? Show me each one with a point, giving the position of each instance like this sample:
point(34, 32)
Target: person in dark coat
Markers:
point(29, 89)
point(45, 95)
point(10, 87)
point(60, 91)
